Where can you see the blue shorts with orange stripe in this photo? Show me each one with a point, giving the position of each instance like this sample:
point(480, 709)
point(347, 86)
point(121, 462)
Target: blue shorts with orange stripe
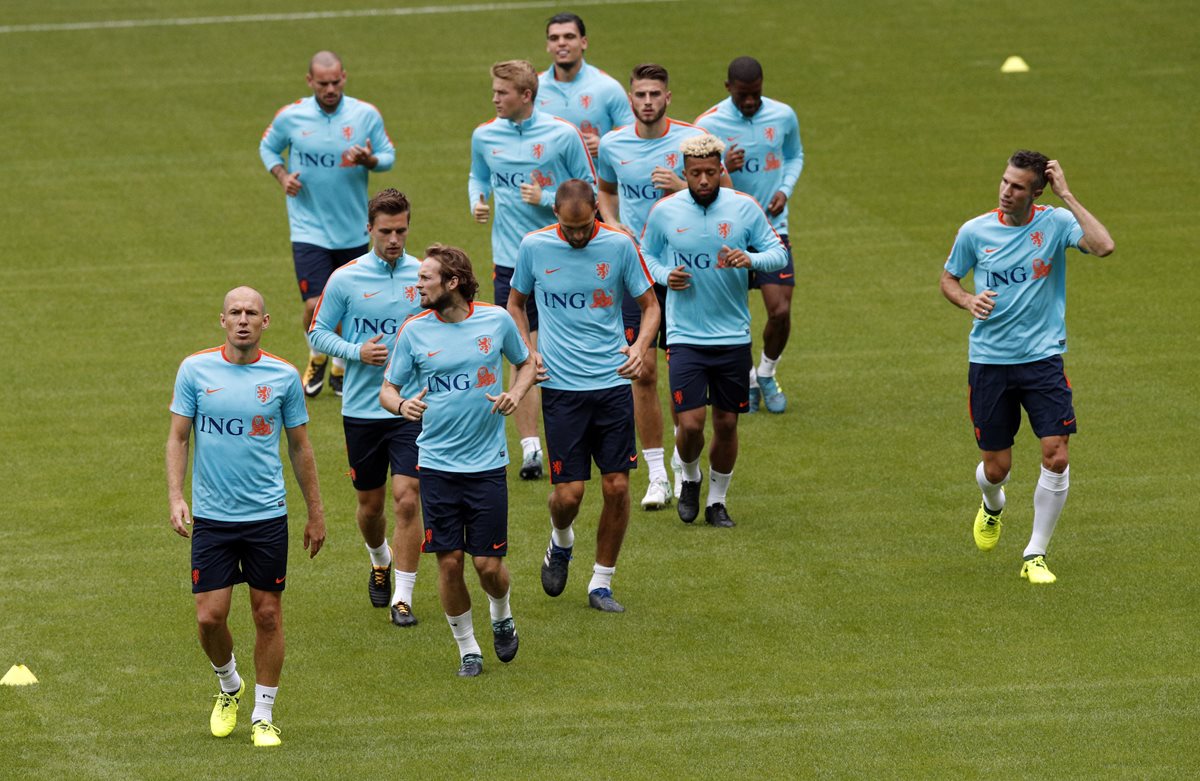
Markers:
point(997, 392)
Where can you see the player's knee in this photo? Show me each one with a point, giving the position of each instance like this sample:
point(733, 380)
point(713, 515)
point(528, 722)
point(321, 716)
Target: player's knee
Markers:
point(487, 566)
point(1056, 462)
point(268, 617)
point(724, 424)
point(615, 485)
point(779, 313)
point(995, 473)
point(451, 565)
point(210, 620)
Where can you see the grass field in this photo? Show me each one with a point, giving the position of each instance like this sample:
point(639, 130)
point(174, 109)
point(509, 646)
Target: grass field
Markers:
point(846, 629)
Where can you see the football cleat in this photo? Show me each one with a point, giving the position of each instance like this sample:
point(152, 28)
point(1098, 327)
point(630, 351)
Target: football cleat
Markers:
point(472, 665)
point(336, 378)
point(264, 733)
point(689, 501)
point(986, 529)
point(658, 495)
point(314, 375)
point(224, 712)
point(717, 515)
point(772, 395)
point(531, 466)
point(379, 586)
point(504, 639)
point(554, 569)
point(602, 600)
point(755, 399)
point(1035, 571)
point(402, 614)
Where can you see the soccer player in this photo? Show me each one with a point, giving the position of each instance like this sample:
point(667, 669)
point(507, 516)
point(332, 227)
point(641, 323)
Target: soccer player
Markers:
point(332, 142)
point(697, 242)
point(520, 157)
point(637, 165)
point(1018, 336)
point(453, 353)
point(580, 270)
point(764, 159)
point(582, 94)
point(237, 399)
point(370, 297)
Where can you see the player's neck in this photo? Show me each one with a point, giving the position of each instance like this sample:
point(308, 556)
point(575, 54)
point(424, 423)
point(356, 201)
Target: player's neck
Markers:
point(240, 356)
point(656, 129)
point(521, 115)
point(567, 72)
point(455, 311)
point(1017, 220)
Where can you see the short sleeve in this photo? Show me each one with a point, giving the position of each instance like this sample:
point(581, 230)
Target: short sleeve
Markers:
point(184, 400)
point(962, 254)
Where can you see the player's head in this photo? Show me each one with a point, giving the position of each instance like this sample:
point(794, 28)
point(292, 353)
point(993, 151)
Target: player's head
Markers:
point(514, 86)
point(575, 207)
point(648, 93)
point(446, 278)
point(1023, 181)
point(244, 316)
point(388, 214)
point(702, 166)
point(327, 79)
point(566, 39)
point(744, 82)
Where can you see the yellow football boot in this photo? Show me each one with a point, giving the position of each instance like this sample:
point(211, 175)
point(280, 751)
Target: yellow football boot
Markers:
point(224, 712)
point(1035, 571)
point(264, 733)
point(987, 529)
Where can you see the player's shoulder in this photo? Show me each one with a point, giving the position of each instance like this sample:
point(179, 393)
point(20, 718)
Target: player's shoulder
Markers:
point(487, 126)
point(778, 107)
point(563, 127)
point(346, 272)
point(417, 321)
point(608, 234)
point(202, 356)
point(744, 199)
point(290, 109)
point(666, 205)
point(485, 312)
point(713, 114)
point(685, 129)
point(273, 361)
point(364, 107)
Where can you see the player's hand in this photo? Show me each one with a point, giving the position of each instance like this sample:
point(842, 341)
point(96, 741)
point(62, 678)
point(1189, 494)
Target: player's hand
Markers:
point(412, 409)
point(732, 258)
point(678, 279)
point(481, 211)
point(360, 154)
point(531, 193)
point(735, 158)
point(504, 403)
point(777, 203)
point(982, 305)
point(632, 368)
point(666, 180)
point(291, 184)
point(314, 534)
point(181, 518)
point(1058, 181)
point(372, 352)
point(539, 367)
point(591, 139)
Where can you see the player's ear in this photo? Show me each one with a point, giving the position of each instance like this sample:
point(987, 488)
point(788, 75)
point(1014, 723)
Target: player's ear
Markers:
point(266, 320)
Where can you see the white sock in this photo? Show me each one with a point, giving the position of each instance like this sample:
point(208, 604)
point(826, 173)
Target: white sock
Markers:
point(1048, 500)
point(464, 634)
point(691, 470)
point(530, 445)
point(264, 701)
point(653, 456)
point(766, 366)
point(993, 493)
point(381, 556)
point(601, 578)
point(228, 675)
point(499, 608)
point(312, 351)
point(563, 538)
point(339, 364)
point(753, 378)
point(402, 586)
point(718, 485)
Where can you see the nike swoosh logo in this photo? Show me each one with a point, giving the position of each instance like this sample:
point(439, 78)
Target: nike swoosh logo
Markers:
point(497, 151)
point(211, 391)
point(372, 295)
point(435, 352)
point(1068, 422)
point(625, 162)
point(498, 546)
point(990, 250)
point(786, 276)
point(731, 138)
point(633, 458)
point(307, 133)
point(280, 580)
point(682, 230)
point(552, 270)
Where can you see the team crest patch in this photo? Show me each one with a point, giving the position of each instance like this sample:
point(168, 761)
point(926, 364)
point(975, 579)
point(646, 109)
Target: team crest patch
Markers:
point(1037, 238)
point(585, 101)
point(770, 134)
point(263, 393)
point(347, 132)
point(723, 230)
point(672, 159)
point(410, 293)
point(602, 270)
point(484, 343)
point(538, 151)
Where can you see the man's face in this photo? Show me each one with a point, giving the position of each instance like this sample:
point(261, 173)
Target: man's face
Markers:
point(577, 221)
point(244, 320)
point(510, 102)
point(649, 99)
point(432, 288)
point(747, 96)
point(703, 175)
point(388, 234)
point(327, 83)
point(565, 44)
point(1017, 191)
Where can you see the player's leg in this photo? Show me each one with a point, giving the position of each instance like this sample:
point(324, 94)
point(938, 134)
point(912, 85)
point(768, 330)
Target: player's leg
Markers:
point(337, 259)
point(776, 287)
point(613, 447)
point(647, 413)
point(1047, 397)
point(444, 497)
point(525, 418)
point(728, 375)
point(264, 564)
point(214, 573)
point(487, 542)
point(566, 415)
point(689, 396)
point(995, 408)
point(313, 266)
point(367, 448)
point(407, 534)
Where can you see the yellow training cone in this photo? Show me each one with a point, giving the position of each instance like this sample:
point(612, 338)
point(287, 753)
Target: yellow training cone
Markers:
point(18, 675)
point(1014, 64)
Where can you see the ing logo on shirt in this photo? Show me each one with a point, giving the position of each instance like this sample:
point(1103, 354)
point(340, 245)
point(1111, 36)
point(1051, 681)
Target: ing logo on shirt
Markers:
point(602, 270)
point(601, 299)
point(538, 151)
point(263, 393)
point(484, 343)
point(723, 230)
point(484, 378)
point(1038, 239)
point(261, 426)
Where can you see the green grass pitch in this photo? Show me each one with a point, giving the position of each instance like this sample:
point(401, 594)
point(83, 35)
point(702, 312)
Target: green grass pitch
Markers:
point(846, 629)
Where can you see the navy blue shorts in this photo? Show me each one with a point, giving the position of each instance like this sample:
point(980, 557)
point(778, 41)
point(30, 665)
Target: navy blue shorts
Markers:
point(225, 553)
point(501, 284)
point(582, 426)
point(315, 264)
point(709, 375)
point(465, 511)
point(373, 445)
point(631, 317)
point(784, 276)
point(996, 393)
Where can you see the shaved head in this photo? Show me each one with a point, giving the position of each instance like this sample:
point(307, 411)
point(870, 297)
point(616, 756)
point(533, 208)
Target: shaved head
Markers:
point(244, 294)
point(324, 59)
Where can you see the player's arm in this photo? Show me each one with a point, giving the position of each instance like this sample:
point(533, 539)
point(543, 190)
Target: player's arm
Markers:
point(636, 352)
point(608, 198)
point(506, 402)
point(1096, 239)
point(793, 164)
point(771, 254)
point(399, 366)
point(177, 458)
point(322, 333)
point(270, 150)
point(479, 182)
point(380, 149)
point(980, 306)
point(654, 247)
point(304, 465)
